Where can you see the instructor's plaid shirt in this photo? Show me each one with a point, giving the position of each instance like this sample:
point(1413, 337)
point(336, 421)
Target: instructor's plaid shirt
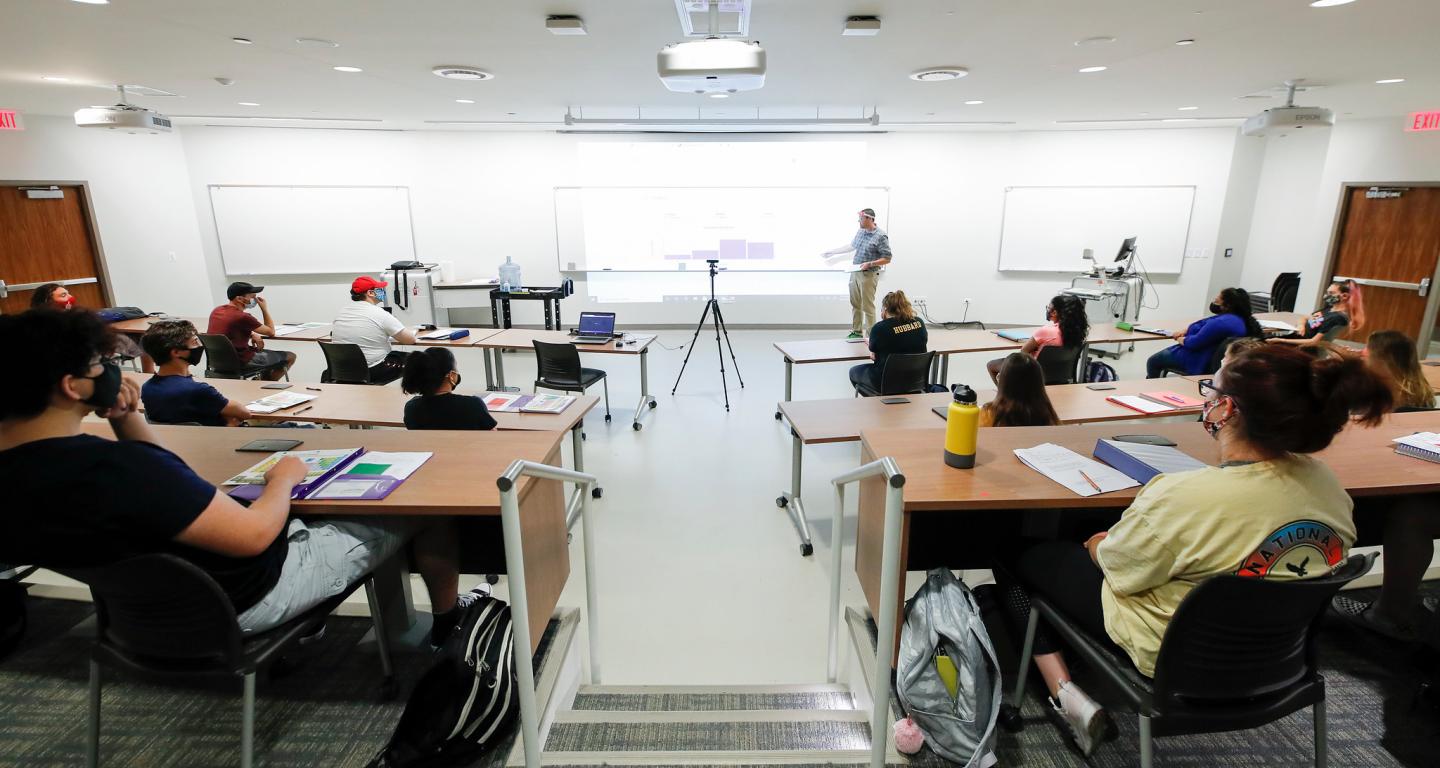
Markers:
point(870, 245)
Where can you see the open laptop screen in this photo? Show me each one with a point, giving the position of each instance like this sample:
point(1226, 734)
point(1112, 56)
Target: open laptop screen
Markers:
point(597, 323)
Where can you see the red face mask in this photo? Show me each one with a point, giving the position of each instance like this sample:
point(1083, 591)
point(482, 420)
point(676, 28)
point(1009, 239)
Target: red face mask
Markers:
point(67, 303)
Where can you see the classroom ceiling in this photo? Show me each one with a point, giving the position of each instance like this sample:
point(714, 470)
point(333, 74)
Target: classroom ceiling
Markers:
point(1022, 56)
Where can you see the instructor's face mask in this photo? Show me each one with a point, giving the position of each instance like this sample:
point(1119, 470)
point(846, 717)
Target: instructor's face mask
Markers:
point(1331, 299)
point(1216, 309)
point(107, 386)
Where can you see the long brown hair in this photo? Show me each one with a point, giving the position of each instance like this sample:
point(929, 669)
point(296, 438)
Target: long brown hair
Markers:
point(897, 305)
point(1291, 401)
point(1393, 354)
point(1354, 302)
point(1020, 399)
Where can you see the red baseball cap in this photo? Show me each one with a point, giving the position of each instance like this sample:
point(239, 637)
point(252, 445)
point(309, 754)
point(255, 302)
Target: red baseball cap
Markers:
point(365, 283)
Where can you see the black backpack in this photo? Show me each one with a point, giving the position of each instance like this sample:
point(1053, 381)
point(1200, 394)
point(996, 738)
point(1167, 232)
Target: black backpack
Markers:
point(465, 702)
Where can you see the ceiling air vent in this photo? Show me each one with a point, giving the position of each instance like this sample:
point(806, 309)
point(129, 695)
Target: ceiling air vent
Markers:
point(937, 74)
point(452, 72)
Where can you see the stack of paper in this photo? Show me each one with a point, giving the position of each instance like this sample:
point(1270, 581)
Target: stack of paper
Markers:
point(440, 334)
point(1421, 445)
point(1137, 403)
point(1277, 325)
point(511, 402)
point(373, 476)
point(1173, 399)
point(317, 464)
point(285, 329)
point(1084, 476)
point(278, 401)
point(1142, 462)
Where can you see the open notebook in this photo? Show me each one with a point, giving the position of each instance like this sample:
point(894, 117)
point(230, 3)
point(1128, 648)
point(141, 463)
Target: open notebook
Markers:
point(1081, 474)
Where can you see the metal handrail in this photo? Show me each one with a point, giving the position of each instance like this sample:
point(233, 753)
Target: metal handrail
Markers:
point(889, 590)
point(508, 483)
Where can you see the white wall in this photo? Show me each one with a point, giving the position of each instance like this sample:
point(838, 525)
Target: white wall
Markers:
point(1300, 188)
point(139, 190)
point(478, 197)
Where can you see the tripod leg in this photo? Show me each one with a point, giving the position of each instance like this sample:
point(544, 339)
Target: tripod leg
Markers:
point(688, 351)
point(720, 354)
point(734, 363)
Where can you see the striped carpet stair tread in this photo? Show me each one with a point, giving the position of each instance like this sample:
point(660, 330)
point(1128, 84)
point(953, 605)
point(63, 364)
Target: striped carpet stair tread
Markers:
point(716, 699)
point(670, 736)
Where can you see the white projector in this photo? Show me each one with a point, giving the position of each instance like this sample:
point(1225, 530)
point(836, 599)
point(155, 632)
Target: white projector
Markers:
point(123, 117)
point(714, 65)
point(1279, 119)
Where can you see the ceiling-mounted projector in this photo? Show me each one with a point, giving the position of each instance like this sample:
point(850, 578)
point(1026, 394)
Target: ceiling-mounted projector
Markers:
point(123, 116)
point(1288, 117)
point(713, 65)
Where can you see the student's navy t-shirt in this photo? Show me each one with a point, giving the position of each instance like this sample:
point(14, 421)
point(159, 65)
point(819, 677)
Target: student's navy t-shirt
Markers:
point(85, 501)
point(181, 399)
point(448, 411)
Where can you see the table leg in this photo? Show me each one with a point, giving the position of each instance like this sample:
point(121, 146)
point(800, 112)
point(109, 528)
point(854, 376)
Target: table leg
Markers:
point(646, 399)
point(546, 302)
point(499, 368)
point(489, 372)
point(790, 500)
point(789, 382)
point(944, 370)
point(505, 307)
point(494, 312)
point(392, 587)
point(574, 505)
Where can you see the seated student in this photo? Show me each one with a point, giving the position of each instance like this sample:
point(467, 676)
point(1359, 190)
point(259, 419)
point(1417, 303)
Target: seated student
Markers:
point(57, 296)
point(1392, 354)
point(172, 396)
point(1020, 399)
point(1066, 326)
point(61, 508)
point(370, 326)
point(1231, 316)
point(899, 332)
point(430, 374)
point(1344, 308)
point(1268, 409)
point(246, 333)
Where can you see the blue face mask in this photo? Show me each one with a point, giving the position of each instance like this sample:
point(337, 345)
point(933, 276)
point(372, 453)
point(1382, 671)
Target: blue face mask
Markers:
point(380, 295)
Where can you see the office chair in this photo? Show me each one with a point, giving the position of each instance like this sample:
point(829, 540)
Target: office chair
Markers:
point(903, 374)
point(1239, 653)
point(557, 366)
point(1058, 364)
point(163, 616)
point(1280, 297)
point(222, 362)
point(344, 364)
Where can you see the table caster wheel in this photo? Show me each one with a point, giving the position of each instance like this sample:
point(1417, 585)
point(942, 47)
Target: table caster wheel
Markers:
point(636, 426)
point(777, 416)
point(389, 689)
point(806, 550)
point(607, 418)
point(782, 502)
point(1010, 718)
point(654, 404)
point(595, 493)
point(492, 578)
point(583, 436)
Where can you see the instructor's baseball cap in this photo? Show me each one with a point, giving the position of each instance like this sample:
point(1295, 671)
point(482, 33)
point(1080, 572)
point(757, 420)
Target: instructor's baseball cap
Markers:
point(240, 289)
point(366, 283)
point(868, 212)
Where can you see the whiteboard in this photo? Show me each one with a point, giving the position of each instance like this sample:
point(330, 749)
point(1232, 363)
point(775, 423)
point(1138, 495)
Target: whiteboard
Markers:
point(266, 230)
point(1045, 229)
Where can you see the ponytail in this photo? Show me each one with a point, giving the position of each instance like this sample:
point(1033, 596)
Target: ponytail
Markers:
point(1355, 302)
point(1294, 402)
point(426, 370)
point(896, 304)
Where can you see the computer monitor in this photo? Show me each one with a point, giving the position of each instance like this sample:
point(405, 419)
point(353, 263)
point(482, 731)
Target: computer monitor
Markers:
point(596, 324)
point(1127, 249)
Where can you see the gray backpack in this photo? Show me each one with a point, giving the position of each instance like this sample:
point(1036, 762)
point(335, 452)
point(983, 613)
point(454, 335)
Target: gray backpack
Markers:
point(942, 620)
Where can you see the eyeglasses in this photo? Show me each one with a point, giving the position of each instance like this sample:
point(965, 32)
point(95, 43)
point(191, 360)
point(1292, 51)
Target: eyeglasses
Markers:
point(1208, 390)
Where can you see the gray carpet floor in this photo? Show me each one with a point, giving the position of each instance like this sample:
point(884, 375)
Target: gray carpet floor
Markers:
point(325, 711)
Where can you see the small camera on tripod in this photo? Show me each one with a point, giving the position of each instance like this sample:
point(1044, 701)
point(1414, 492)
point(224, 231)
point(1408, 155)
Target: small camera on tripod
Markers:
point(712, 261)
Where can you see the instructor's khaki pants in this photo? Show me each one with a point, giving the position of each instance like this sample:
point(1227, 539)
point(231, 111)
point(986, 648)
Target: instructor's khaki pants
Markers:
point(862, 299)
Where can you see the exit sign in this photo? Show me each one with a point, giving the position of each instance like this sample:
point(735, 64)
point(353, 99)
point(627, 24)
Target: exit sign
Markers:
point(1424, 121)
point(10, 120)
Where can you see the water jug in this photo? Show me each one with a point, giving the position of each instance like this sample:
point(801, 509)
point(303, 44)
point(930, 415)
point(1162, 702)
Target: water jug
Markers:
point(509, 275)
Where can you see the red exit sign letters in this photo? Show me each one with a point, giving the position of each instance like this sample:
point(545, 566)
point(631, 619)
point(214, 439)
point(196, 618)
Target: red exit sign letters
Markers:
point(1424, 121)
point(10, 120)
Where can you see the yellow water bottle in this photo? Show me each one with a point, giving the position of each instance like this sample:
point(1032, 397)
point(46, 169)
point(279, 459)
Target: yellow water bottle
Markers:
point(962, 427)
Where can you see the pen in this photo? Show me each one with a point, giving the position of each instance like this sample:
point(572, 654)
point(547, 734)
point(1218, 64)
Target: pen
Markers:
point(1173, 399)
point(308, 407)
point(1090, 481)
point(313, 389)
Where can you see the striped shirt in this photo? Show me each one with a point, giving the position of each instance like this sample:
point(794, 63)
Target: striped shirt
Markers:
point(870, 244)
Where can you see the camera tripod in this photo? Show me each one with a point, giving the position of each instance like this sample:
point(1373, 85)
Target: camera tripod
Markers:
point(713, 306)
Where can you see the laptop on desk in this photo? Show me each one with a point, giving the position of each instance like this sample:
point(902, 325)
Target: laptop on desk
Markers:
point(595, 328)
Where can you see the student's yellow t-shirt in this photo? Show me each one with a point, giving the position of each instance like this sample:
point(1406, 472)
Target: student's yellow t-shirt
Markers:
point(1288, 518)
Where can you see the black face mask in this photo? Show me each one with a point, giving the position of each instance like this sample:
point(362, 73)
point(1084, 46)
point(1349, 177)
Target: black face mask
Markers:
point(193, 355)
point(456, 385)
point(1216, 309)
point(107, 387)
point(1331, 299)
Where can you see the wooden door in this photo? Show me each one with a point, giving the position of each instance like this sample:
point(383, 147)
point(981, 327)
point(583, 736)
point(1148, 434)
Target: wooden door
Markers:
point(47, 240)
point(1390, 235)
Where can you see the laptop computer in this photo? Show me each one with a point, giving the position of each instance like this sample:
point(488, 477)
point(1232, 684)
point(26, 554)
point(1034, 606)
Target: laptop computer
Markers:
point(595, 328)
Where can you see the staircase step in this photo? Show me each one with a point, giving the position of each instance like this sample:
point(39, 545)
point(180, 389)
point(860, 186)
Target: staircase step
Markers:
point(718, 716)
point(659, 698)
point(715, 759)
point(659, 734)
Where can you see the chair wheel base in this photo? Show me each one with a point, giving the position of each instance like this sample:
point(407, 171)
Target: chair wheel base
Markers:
point(782, 502)
point(777, 416)
point(654, 405)
point(636, 426)
point(389, 689)
point(607, 418)
point(596, 493)
point(807, 550)
point(1010, 718)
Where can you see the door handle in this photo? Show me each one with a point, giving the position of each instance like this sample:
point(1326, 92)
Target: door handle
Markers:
point(1422, 287)
point(4, 290)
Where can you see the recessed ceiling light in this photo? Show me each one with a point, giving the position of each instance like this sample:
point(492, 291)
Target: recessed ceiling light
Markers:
point(973, 102)
point(1329, 3)
point(512, 114)
point(1390, 81)
point(1186, 41)
point(317, 41)
point(347, 69)
point(247, 103)
point(939, 74)
point(464, 101)
point(457, 72)
point(242, 41)
point(719, 95)
point(1097, 40)
point(1088, 70)
point(1187, 109)
point(55, 78)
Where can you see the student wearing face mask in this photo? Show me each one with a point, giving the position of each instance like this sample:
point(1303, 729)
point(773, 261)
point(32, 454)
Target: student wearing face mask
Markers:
point(52, 296)
point(172, 396)
point(366, 324)
point(247, 334)
point(1343, 311)
point(430, 374)
point(1269, 510)
point(1230, 316)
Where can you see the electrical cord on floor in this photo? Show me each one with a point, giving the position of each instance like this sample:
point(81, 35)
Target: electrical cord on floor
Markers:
point(948, 325)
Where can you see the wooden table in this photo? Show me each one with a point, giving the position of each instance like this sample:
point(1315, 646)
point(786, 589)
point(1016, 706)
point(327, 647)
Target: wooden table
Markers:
point(1431, 369)
point(845, 419)
point(523, 338)
point(938, 500)
point(458, 481)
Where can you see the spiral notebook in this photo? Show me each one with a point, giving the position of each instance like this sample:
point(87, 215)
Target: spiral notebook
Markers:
point(1421, 445)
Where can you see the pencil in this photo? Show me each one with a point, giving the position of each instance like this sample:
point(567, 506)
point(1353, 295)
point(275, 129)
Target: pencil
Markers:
point(1090, 481)
point(308, 407)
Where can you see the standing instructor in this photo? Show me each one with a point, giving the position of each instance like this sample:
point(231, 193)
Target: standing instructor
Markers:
point(871, 247)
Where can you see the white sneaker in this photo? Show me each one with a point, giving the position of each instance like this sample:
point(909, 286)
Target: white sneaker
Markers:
point(1085, 718)
point(464, 599)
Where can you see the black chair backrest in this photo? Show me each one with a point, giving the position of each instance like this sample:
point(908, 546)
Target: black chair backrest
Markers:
point(1284, 291)
point(162, 607)
point(1237, 637)
point(220, 356)
point(1218, 356)
point(1058, 364)
point(345, 363)
point(906, 374)
point(557, 362)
